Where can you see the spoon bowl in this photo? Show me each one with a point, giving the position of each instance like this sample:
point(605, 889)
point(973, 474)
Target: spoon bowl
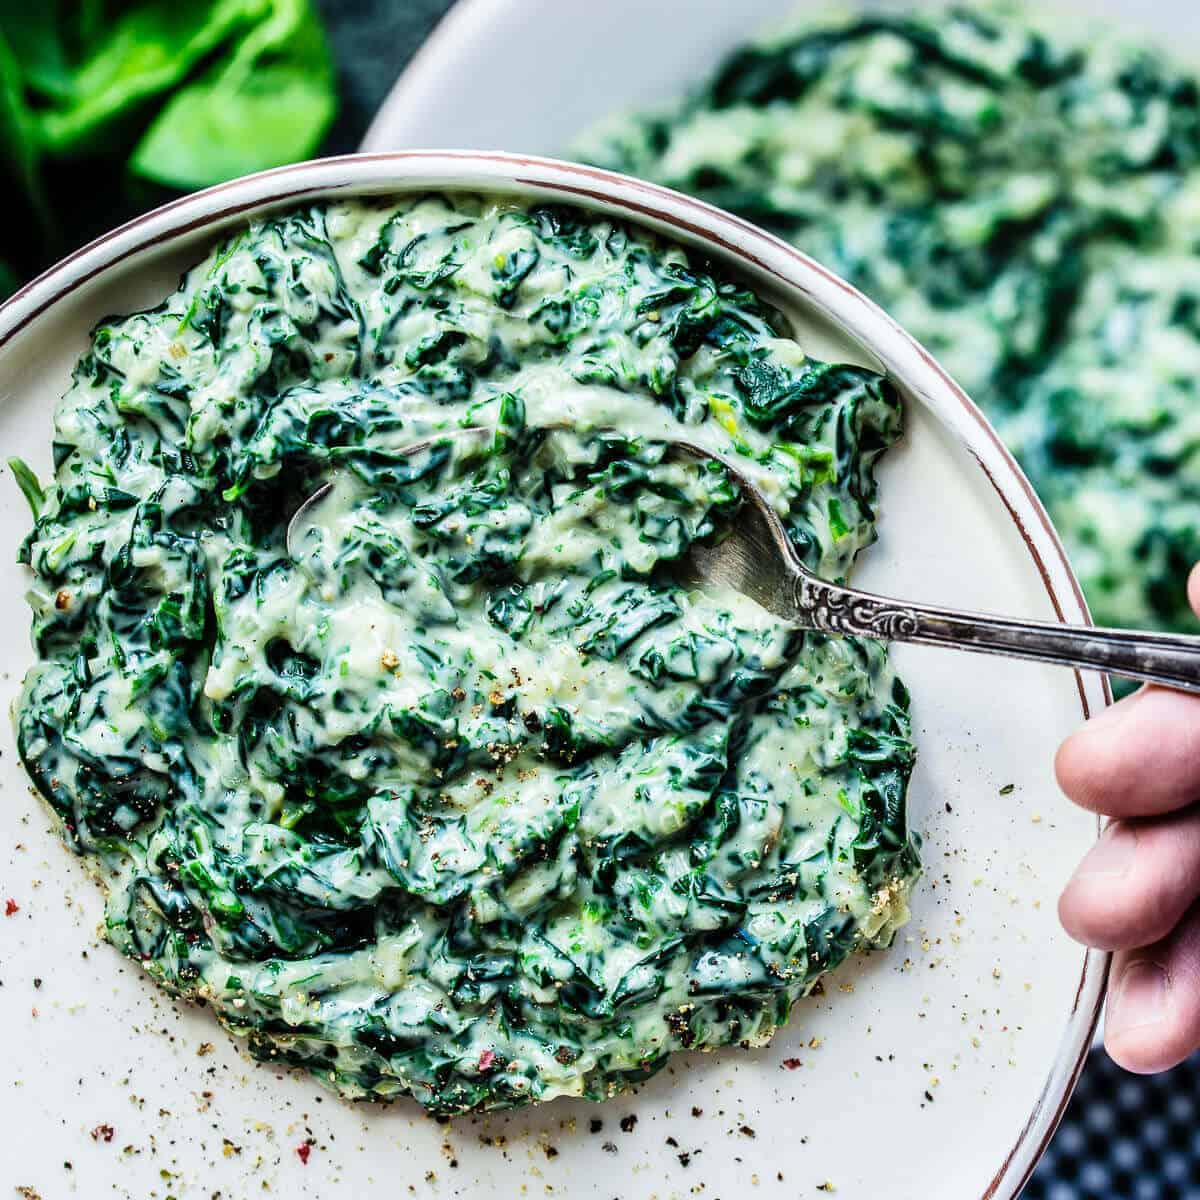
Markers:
point(757, 558)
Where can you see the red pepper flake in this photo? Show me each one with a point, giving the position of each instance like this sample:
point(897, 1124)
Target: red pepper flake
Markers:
point(792, 1063)
point(103, 1133)
point(11, 907)
point(486, 1059)
point(303, 1151)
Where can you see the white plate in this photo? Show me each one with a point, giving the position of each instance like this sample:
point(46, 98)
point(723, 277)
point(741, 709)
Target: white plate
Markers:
point(531, 75)
point(937, 1069)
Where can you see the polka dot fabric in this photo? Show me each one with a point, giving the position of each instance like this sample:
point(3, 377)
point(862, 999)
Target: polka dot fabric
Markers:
point(1125, 1137)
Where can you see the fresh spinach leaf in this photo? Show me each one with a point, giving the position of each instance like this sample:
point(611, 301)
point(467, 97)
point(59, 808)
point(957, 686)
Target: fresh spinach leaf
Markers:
point(36, 40)
point(27, 481)
point(146, 96)
point(149, 50)
point(18, 140)
point(268, 105)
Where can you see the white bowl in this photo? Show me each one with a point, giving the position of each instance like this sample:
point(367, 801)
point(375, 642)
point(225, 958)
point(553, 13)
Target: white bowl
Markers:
point(982, 1005)
point(458, 90)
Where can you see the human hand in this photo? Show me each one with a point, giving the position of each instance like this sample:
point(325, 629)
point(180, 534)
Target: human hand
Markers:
point(1137, 892)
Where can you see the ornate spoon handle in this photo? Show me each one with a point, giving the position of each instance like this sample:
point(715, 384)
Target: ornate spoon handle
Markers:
point(1166, 658)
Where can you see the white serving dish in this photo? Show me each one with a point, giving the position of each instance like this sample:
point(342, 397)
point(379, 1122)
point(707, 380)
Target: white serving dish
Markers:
point(983, 994)
point(532, 75)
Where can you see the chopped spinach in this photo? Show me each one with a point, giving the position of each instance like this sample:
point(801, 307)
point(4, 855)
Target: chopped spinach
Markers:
point(462, 793)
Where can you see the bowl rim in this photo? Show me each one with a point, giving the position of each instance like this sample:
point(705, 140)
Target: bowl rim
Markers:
point(694, 223)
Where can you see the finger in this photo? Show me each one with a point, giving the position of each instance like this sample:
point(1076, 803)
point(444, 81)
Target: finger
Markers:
point(1139, 758)
point(1153, 1017)
point(1193, 589)
point(1136, 883)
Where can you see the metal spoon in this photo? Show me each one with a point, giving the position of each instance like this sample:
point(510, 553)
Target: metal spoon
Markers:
point(757, 558)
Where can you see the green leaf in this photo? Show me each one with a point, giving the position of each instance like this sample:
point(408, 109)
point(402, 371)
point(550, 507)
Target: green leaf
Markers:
point(18, 139)
point(196, 91)
point(37, 43)
point(149, 50)
point(269, 104)
point(209, 134)
point(27, 481)
point(837, 522)
point(50, 38)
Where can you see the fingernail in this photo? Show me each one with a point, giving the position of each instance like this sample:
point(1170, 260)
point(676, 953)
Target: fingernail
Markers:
point(1112, 855)
point(1142, 994)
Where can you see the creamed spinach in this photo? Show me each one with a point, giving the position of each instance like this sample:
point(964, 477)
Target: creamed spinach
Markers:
point(1026, 204)
point(459, 792)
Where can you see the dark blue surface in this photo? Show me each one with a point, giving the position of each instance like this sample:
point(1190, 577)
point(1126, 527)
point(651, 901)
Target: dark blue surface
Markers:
point(372, 42)
point(1124, 1137)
